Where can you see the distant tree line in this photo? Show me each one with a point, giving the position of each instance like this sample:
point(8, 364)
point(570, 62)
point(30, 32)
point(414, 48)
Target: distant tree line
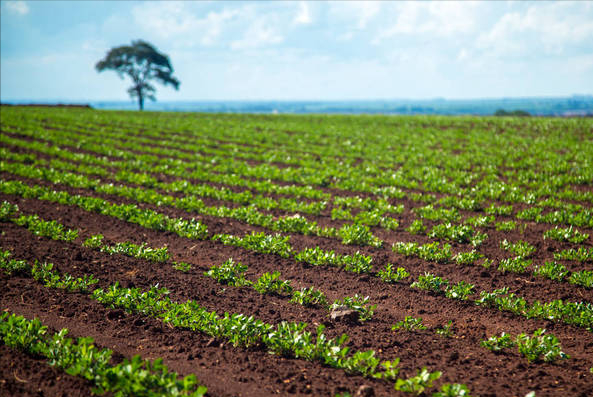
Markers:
point(515, 113)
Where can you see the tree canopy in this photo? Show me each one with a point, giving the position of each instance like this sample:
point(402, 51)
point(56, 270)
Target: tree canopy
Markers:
point(142, 62)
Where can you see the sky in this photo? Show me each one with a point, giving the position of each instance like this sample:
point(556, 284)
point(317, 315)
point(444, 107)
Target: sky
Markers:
point(297, 50)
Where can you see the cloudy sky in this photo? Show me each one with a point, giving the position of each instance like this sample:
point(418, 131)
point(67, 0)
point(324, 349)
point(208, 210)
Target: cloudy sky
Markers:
point(303, 50)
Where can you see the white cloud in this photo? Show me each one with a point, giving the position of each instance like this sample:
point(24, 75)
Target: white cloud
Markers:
point(546, 28)
point(434, 18)
point(178, 20)
point(366, 11)
point(17, 7)
point(355, 14)
point(259, 34)
point(303, 16)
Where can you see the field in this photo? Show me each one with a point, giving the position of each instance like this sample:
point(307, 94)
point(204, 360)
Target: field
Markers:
point(258, 255)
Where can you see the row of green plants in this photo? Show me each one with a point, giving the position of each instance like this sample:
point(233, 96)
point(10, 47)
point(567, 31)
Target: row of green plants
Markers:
point(228, 273)
point(569, 234)
point(580, 254)
point(538, 347)
point(82, 358)
point(356, 234)
point(412, 324)
point(233, 274)
point(434, 252)
point(434, 171)
point(189, 228)
point(240, 131)
point(455, 200)
point(166, 166)
point(574, 313)
point(365, 235)
point(36, 225)
point(177, 186)
point(263, 156)
point(286, 339)
point(279, 245)
point(580, 313)
point(373, 217)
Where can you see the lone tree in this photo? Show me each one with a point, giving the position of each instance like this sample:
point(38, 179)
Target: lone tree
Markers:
point(142, 62)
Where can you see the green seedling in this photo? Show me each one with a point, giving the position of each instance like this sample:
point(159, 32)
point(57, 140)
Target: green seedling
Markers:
point(270, 283)
point(391, 275)
point(409, 323)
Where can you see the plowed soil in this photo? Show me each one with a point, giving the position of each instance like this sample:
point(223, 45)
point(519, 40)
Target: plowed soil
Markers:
point(235, 371)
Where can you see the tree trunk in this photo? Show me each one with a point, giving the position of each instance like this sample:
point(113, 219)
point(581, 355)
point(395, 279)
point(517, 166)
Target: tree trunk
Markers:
point(140, 100)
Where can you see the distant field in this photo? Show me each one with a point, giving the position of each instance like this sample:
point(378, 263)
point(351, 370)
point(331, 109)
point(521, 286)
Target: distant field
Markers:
point(295, 254)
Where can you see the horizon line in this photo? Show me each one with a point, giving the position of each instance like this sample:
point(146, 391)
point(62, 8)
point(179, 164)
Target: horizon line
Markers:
point(436, 98)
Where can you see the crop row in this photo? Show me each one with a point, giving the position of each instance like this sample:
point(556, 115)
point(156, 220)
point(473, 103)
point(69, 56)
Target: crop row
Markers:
point(373, 213)
point(350, 234)
point(134, 377)
point(285, 339)
point(567, 211)
point(369, 170)
point(580, 314)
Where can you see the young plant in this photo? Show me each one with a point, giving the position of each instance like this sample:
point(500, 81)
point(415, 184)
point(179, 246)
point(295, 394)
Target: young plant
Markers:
point(391, 275)
point(356, 234)
point(362, 362)
point(417, 384)
point(49, 278)
point(94, 242)
point(7, 211)
point(491, 298)
point(552, 270)
point(358, 303)
point(271, 284)
point(50, 229)
point(409, 323)
point(583, 278)
point(461, 290)
point(182, 266)
point(230, 273)
point(581, 254)
point(416, 227)
point(433, 252)
point(501, 210)
point(507, 226)
point(389, 370)
point(467, 258)
point(139, 251)
point(479, 221)
point(12, 266)
point(540, 346)
point(451, 232)
point(498, 343)
point(569, 234)
point(515, 265)
point(260, 242)
point(430, 282)
point(357, 263)
point(452, 390)
point(309, 297)
point(521, 248)
point(446, 331)
point(407, 249)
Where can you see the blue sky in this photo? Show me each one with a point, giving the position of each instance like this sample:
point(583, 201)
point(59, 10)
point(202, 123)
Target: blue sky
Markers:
point(303, 50)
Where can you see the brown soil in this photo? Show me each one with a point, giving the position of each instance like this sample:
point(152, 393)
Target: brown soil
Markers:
point(27, 376)
point(233, 371)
